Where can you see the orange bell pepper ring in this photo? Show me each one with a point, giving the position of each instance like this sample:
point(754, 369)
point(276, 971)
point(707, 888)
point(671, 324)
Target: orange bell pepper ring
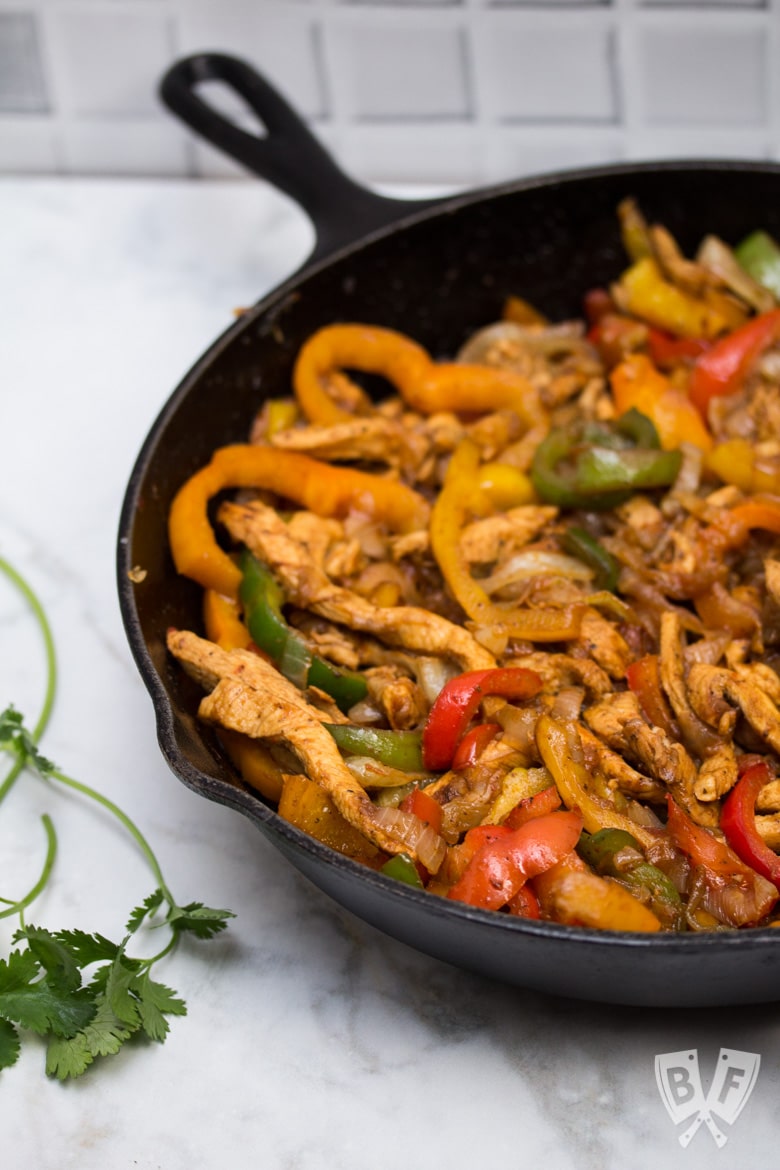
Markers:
point(637, 383)
point(325, 490)
point(426, 386)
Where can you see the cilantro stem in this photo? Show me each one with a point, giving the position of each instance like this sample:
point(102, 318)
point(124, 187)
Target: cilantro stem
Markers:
point(51, 668)
point(125, 820)
point(51, 853)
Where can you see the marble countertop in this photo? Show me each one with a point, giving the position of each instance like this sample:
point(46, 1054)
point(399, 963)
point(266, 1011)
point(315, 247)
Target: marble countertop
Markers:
point(312, 1042)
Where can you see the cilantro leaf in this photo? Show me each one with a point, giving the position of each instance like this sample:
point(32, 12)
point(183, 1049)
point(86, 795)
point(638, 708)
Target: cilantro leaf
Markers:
point(200, 920)
point(105, 1034)
point(87, 948)
point(15, 737)
point(54, 955)
point(67, 1056)
point(119, 991)
point(34, 1003)
point(9, 1044)
point(155, 1002)
point(145, 910)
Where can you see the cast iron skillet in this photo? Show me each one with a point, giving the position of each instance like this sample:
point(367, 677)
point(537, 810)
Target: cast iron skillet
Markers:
point(438, 271)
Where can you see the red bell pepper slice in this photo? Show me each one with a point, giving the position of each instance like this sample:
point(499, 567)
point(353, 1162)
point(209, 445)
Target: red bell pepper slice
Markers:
point(422, 805)
point(459, 699)
point(668, 351)
point(525, 904)
point(644, 680)
point(754, 896)
point(543, 802)
point(499, 869)
point(473, 744)
point(738, 822)
point(723, 368)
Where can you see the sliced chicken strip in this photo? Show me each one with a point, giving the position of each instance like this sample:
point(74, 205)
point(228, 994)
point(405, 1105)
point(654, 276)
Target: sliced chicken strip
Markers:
point(670, 763)
point(254, 699)
point(697, 734)
point(267, 536)
point(768, 799)
point(713, 687)
point(488, 540)
point(378, 440)
point(718, 774)
point(600, 758)
point(608, 718)
point(604, 644)
point(398, 695)
point(769, 828)
point(563, 670)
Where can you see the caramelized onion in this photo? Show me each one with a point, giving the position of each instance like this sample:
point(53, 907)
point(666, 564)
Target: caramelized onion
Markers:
point(420, 839)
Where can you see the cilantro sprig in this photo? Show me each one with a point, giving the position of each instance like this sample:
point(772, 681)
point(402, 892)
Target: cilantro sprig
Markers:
point(86, 995)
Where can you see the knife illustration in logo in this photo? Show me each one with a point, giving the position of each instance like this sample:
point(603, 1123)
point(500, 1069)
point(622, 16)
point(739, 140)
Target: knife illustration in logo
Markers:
point(679, 1083)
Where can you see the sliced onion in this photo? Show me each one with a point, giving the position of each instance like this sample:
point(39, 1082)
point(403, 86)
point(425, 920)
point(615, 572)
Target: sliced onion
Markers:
point(560, 339)
point(689, 475)
point(373, 773)
point(536, 563)
point(519, 724)
point(567, 703)
point(420, 839)
point(365, 712)
point(433, 674)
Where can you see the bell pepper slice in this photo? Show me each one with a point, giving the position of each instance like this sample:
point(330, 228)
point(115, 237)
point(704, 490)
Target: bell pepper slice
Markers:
point(499, 869)
point(561, 750)
point(667, 351)
point(723, 368)
point(601, 851)
point(325, 490)
point(596, 467)
point(538, 805)
point(397, 749)
point(262, 600)
point(735, 461)
point(579, 543)
point(422, 805)
point(653, 299)
point(455, 501)
point(403, 869)
point(637, 383)
point(427, 386)
point(584, 899)
point(524, 904)
point(738, 822)
point(644, 680)
point(458, 701)
point(472, 745)
point(759, 255)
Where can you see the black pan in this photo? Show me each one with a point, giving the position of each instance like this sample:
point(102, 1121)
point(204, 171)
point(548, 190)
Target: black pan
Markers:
point(437, 270)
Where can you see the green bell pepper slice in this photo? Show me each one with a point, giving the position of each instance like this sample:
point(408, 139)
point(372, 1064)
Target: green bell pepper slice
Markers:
point(397, 749)
point(759, 255)
point(262, 600)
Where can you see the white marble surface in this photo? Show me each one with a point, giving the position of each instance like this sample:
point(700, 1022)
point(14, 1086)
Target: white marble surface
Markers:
point(312, 1041)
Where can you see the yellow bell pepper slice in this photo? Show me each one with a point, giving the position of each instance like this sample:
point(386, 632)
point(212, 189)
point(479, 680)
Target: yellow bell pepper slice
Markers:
point(647, 295)
point(585, 899)
point(735, 461)
point(561, 750)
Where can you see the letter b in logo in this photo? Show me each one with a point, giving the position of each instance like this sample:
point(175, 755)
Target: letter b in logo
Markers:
point(681, 1090)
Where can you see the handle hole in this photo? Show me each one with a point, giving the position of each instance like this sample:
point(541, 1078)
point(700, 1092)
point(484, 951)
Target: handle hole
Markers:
point(228, 102)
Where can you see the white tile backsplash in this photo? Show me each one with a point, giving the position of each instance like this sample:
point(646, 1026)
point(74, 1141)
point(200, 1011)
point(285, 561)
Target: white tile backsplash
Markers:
point(400, 70)
point(453, 92)
point(545, 67)
point(22, 84)
point(108, 62)
point(704, 71)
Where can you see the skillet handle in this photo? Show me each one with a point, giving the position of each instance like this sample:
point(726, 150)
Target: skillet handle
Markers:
point(288, 155)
